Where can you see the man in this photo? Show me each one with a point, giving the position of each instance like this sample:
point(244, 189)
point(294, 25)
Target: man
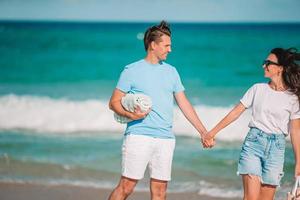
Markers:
point(149, 139)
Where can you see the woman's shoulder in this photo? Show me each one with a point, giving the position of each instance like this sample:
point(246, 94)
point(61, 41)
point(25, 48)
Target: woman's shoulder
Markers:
point(259, 86)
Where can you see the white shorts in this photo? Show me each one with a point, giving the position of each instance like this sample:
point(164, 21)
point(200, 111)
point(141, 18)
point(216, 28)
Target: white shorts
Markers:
point(138, 151)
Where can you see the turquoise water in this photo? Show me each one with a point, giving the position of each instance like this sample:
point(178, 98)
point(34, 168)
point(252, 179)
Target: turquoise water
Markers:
point(56, 79)
point(95, 160)
point(83, 61)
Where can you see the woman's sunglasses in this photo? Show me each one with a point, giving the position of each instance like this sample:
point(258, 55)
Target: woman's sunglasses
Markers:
point(269, 62)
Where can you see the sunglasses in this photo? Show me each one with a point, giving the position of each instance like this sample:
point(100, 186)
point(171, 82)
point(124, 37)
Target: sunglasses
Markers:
point(269, 62)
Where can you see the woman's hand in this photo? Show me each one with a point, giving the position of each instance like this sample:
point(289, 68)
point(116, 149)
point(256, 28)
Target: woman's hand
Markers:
point(295, 139)
point(207, 140)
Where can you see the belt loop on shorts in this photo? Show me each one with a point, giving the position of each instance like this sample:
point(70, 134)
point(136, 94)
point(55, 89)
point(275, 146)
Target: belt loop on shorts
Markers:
point(272, 136)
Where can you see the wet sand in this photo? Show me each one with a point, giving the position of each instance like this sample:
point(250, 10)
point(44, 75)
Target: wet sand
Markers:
point(30, 191)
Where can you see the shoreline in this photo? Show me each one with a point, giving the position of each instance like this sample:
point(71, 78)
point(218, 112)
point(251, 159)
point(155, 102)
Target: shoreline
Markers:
point(35, 191)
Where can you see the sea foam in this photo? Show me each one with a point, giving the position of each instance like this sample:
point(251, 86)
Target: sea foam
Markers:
point(44, 114)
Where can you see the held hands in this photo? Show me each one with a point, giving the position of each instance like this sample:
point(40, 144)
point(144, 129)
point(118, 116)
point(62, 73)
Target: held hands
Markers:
point(207, 140)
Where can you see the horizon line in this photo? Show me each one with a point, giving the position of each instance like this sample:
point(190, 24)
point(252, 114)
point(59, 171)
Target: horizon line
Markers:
point(144, 22)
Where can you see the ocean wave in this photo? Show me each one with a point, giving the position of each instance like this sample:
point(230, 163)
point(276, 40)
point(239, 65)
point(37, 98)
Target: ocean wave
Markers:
point(215, 191)
point(44, 114)
point(84, 184)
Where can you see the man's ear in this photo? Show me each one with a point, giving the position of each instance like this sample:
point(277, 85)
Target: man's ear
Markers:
point(152, 45)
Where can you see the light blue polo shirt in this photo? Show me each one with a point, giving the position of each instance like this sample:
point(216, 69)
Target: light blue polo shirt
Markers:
point(160, 82)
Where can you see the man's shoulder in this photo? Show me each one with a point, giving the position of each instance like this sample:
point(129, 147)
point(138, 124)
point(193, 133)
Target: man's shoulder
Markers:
point(134, 64)
point(168, 65)
point(170, 68)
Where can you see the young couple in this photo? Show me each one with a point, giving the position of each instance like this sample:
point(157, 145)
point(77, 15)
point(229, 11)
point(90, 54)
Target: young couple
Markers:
point(149, 140)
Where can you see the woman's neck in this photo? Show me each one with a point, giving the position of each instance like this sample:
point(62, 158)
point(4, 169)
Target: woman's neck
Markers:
point(277, 84)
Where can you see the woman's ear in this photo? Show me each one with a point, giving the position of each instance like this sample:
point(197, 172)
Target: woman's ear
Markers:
point(280, 70)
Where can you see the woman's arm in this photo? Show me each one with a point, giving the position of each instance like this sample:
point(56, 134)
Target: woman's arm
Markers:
point(295, 139)
point(228, 119)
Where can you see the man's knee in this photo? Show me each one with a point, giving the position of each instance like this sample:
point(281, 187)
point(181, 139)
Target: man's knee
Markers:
point(159, 189)
point(124, 190)
point(126, 186)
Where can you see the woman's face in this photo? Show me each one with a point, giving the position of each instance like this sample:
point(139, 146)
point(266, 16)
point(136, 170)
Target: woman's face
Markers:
point(271, 67)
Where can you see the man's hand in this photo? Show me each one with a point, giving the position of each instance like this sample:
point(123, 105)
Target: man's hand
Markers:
point(138, 114)
point(116, 106)
point(207, 140)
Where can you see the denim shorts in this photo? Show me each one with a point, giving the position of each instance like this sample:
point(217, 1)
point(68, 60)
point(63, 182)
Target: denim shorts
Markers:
point(262, 155)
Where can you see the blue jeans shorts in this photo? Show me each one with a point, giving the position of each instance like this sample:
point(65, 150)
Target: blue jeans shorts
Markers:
point(262, 155)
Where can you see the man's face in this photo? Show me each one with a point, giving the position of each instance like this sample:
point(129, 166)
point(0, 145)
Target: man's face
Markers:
point(162, 48)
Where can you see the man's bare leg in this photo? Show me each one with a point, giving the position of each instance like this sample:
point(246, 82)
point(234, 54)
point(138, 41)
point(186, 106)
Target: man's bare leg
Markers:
point(158, 189)
point(124, 189)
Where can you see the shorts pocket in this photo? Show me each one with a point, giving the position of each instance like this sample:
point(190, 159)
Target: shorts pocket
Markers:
point(251, 137)
point(280, 144)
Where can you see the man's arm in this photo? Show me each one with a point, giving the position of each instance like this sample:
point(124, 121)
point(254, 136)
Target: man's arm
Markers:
point(116, 106)
point(295, 139)
point(189, 112)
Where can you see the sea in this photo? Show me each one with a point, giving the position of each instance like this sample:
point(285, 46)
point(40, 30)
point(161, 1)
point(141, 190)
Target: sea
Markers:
point(56, 79)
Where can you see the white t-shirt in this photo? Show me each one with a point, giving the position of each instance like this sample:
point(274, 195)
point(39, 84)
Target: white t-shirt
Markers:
point(271, 110)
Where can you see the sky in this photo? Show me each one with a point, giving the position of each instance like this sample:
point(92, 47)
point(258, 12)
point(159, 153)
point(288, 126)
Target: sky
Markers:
point(152, 10)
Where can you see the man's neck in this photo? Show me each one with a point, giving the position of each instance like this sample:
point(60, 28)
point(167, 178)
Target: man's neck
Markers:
point(152, 59)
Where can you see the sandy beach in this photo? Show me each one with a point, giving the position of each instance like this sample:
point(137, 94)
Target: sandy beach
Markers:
point(18, 191)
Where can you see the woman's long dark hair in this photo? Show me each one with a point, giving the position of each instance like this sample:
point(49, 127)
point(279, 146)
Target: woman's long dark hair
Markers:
point(291, 70)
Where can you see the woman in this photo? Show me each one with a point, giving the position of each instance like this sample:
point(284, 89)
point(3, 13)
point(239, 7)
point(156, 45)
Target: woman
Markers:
point(275, 114)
